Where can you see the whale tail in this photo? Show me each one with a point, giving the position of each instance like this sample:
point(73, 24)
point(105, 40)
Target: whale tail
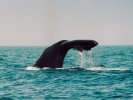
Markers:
point(54, 55)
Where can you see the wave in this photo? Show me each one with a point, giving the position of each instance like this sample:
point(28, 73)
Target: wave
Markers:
point(106, 69)
point(74, 68)
point(6, 98)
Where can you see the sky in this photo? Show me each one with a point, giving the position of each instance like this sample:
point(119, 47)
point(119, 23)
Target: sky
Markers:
point(43, 22)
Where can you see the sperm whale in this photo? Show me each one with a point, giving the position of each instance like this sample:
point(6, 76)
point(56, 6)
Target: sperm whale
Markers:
point(53, 56)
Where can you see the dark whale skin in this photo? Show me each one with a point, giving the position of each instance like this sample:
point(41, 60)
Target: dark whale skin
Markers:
point(54, 55)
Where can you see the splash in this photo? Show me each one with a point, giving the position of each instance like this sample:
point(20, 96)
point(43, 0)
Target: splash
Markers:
point(81, 55)
point(83, 62)
point(90, 62)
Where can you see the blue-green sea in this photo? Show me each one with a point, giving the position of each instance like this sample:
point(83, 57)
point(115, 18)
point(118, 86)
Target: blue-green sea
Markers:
point(108, 77)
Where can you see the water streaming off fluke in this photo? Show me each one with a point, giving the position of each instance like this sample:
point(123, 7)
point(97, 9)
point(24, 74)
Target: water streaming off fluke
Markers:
point(85, 59)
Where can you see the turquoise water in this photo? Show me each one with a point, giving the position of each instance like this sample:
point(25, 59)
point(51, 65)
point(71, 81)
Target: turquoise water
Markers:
point(111, 80)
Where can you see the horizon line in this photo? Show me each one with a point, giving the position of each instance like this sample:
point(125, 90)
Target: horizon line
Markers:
point(51, 44)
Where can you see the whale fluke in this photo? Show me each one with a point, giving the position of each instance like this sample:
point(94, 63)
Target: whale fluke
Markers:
point(54, 55)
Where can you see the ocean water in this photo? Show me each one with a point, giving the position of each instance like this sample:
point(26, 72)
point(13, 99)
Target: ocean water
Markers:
point(108, 75)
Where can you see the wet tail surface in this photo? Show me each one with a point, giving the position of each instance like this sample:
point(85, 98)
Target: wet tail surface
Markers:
point(54, 55)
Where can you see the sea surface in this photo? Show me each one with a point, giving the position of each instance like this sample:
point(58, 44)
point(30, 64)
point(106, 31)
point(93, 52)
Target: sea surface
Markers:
point(107, 74)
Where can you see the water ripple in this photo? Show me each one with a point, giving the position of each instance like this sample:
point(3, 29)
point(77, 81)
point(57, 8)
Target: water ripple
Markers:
point(112, 81)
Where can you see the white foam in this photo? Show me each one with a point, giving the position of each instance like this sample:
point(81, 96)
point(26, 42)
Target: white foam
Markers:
point(59, 68)
point(35, 68)
point(106, 69)
point(32, 68)
point(45, 68)
point(91, 68)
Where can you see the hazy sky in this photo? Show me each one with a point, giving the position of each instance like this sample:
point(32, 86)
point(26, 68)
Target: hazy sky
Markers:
point(43, 22)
